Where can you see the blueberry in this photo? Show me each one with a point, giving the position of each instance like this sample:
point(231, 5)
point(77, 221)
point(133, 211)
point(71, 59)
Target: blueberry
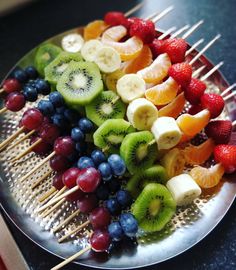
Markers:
point(115, 231)
point(30, 93)
point(60, 121)
point(73, 158)
point(114, 185)
point(42, 86)
point(81, 147)
point(105, 170)
point(102, 192)
point(85, 162)
point(129, 224)
point(31, 72)
point(85, 125)
point(124, 198)
point(77, 135)
point(113, 206)
point(20, 75)
point(30, 83)
point(72, 116)
point(98, 157)
point(46, 107)
point(117, 164)
point(61, 110)
point(57, 99)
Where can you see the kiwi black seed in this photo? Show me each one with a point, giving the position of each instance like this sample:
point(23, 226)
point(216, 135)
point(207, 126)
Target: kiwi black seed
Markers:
point(154, 174)
point(111, 133)
point(139, 151)
point(45, 54)
point(154, 207)
point(80, 83)
point(105, 106)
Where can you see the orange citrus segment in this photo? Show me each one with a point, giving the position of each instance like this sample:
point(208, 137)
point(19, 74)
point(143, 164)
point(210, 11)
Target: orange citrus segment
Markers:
point(163, 93)
point(143, 60)
point(190, 125)
point(129, 49)
point(94, 29)
point(174, 108)
point(196, 155)
point(207, 178)
point(184, 139)
point(157, 71)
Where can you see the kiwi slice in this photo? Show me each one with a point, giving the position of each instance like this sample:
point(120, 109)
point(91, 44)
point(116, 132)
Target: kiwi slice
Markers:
point(54, 70)
point(154, 174)
point(139, 151)
point(45, 54)
point(105, 106)
point(80, 83)
point(111, 133)
point(154, 207)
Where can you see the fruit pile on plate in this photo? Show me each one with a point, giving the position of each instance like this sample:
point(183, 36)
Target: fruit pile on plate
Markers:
point(118, 100)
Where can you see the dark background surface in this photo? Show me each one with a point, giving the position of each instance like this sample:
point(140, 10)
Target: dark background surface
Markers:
point(25, 28)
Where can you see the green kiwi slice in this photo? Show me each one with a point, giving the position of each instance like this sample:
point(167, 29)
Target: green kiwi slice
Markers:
point(154, 174)
point(45, 54)
point(111, 133)
point(54, 70)
point(154, 207)
point(80, 83)
point(139, 151)
point(105, 106)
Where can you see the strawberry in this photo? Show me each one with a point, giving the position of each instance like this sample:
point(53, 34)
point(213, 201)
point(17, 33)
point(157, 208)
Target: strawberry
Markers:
point(131, 21)
point(194, 91)
point(158, 47)
point(181, 73)
point(219, 131)
point(214, 103)
point(114, 18)
point(226, 155)
point(176, 49)
point(194, 109)
point(144, 29)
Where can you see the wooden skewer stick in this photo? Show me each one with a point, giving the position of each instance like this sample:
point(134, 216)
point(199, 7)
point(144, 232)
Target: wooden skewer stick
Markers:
point(26, 136)
point(227, 90)
point(194, 46)
point(209, 73)
point(198, 71)
point(3, 110)
point(72, 258)
point(204, 49)
point(162, 14)
point(49, 211)
point(234, 123)
point(66, 221)
point(180, 31)
point(47, 194)
point(41, 179)
point(233, 94)
point(11, 138)
point(26, 151)
point(167, 32)
point(192, 29)
point(37, 167)
point(2, 90)
point(75, 231)
point(134, 9)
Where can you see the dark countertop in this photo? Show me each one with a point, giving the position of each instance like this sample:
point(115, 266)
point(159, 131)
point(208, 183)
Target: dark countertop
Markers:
point(27, 27)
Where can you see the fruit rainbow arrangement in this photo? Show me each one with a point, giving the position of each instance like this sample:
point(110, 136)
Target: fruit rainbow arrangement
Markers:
point(115, 130)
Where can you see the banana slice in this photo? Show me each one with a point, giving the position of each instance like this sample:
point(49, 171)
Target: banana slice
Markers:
point(90, 49)
point(72, 43)
point(130, 87)
point(141, 114)
point(183, 189)
point(107, 59)
point(166, 132)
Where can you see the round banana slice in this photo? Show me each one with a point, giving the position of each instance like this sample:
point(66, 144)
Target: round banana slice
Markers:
point(130, 87)
point(183, 189)
point(141, 114)
point(90, 49)
point(72, 43)
point(107, 59)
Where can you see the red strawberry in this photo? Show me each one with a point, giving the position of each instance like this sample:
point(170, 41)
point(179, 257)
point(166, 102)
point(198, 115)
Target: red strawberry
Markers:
point(176, 49)
point(226, 155)
point(194, 91)
point(219, 131)
point(114, 18)
point(158, 47)
point(214, 103)
point(194, 109)
point(181, 73)
point(131, 21)
point(145, 30)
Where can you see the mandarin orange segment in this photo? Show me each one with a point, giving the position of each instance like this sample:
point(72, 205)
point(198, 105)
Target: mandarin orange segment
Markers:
point(94, 29)
point(196, 155)
point(207, 178)
point(191, 125)
point(157, 71)
point(143, 60)
point(115, 33)
point(184, 139)
point(174, 108)
point(163, 93)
